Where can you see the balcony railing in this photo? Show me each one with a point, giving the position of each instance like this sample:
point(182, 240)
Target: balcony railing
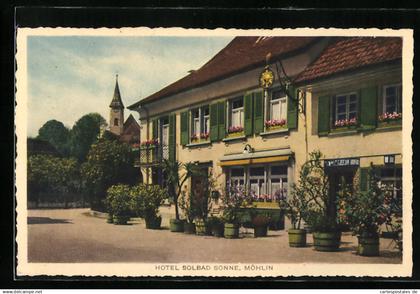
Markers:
point(151, 154)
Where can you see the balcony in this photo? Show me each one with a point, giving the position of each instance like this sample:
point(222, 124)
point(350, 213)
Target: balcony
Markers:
point(151, 155)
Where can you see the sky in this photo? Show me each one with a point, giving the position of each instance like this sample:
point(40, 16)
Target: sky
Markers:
point(69, 76)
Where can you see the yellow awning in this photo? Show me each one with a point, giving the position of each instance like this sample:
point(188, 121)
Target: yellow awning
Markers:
point(255, 157)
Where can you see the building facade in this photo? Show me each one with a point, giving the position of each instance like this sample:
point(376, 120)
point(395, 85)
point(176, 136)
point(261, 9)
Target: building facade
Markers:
point(253, 113)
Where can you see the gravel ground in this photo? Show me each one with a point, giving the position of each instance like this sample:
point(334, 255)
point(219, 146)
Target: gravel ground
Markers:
point(73, 235)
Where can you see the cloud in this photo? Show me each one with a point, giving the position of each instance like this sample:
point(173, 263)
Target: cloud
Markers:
point(72, 76)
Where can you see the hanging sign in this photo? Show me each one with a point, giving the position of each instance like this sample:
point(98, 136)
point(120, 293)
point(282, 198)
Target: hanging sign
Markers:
point(341, 162)
point(266, 78)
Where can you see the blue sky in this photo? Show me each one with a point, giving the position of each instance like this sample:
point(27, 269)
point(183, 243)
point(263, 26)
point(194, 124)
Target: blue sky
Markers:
point(69, 76)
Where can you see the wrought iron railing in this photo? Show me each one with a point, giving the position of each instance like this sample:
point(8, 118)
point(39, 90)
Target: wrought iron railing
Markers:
point(151, 155)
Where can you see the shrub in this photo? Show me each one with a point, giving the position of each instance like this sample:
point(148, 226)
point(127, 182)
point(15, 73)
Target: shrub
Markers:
point(118, 200)
point(233, 199)
point(146, 200)
point(366, 211)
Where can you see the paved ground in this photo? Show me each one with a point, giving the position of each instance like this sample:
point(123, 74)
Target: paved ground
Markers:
point(73, 235)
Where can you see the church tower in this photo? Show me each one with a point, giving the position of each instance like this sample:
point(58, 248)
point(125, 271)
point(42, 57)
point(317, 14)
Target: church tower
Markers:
point(116, 115)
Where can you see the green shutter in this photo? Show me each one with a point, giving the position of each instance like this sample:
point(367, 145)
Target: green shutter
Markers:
point(172, 138)
point(368, 108)
point(155, 126)
point(323, 115)
point(221, 114)
point(248, 114)
point(292, 108)
point(184, 128)
point(214, 123)
point(363, 179)
point(258, 112)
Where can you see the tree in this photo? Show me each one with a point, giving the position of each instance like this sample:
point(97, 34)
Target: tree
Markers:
point(84, 133)
point(49, 174)
point(176, 179)
point(108, 163)
point(56, 134)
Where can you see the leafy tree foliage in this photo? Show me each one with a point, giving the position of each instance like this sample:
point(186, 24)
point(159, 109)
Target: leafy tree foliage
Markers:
point(56, 134)
point(108, 163)
point(84, 133)
point(49, 174)
point(177, 174)
point(366, 211)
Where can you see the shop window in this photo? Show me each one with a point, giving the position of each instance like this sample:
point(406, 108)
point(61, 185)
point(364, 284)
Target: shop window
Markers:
point(265, 183)
point(345, 109)
point(392, 99)
point(236, 115)
point(257, 182)
point(200, 124)
point(391, 178)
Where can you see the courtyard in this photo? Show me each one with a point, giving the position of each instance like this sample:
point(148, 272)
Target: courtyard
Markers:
point(76, 235)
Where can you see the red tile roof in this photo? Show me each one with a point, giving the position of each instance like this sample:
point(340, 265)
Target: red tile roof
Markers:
point(240, 54)
point(351, 53)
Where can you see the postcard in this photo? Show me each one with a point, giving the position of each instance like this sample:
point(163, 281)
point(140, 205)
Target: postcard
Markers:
point(215, 153)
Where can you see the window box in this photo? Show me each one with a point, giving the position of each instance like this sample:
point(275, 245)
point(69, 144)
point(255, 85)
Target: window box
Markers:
point(235, 134)
point(344, 129)
point(390, 123)
point(276, 128)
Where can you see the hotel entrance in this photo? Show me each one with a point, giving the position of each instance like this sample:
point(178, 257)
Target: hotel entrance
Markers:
point(341, 173)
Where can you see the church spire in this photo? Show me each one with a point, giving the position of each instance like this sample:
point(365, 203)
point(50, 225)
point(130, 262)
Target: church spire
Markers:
point(116, 99)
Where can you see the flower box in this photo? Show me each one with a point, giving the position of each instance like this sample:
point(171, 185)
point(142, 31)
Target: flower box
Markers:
point(235, 134)
point(276, 128)
point(389, 119)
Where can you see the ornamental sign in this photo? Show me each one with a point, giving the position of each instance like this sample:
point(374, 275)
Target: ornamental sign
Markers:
point(266, 78)
point(341, 162)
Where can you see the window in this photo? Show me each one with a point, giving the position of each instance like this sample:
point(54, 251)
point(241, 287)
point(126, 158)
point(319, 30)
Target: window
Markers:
point(115, 121)
point(200, 124)
point(345, 109)
point(265, 183)
point(392, 99)
point(278, 107)
point(237, 176)
point(391, 177)
point(164, 137)
point(236, 117)
point(257, 184)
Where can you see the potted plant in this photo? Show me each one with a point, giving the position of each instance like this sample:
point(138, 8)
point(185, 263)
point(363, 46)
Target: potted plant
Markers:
point(203, 199)
point(146, 200)
point(320, 212)
point(190, 212)
point(260, 224)
point(233, 199)
point(366, 211)
point(216, 226)
point(295, 208)
point(176, 176)
point(119, 202)
point(108, 208)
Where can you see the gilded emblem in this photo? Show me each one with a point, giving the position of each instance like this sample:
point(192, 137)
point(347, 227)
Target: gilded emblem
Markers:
point(266, 78)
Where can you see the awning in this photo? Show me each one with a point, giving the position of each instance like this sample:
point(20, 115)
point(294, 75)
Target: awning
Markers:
point(257, 157)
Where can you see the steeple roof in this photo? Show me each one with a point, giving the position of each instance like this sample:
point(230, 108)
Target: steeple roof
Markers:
point(116, 99)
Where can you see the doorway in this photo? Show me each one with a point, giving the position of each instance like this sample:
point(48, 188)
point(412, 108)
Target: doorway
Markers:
point(200, 190)
point(339, 177)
